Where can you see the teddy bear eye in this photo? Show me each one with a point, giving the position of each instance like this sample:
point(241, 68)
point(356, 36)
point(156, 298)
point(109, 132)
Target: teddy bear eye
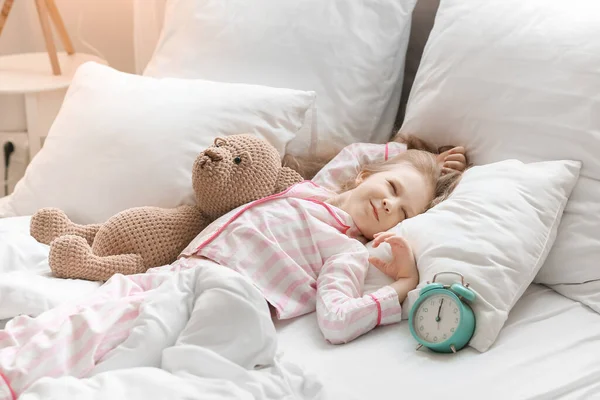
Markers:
point(237, 160)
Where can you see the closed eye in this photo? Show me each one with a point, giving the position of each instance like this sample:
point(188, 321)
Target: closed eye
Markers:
point(393, 188)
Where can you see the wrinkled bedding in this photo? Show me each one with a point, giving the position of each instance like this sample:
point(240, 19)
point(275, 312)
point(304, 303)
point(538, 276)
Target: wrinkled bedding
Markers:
point(200, 330)
point(26, 285)
point(547, 349)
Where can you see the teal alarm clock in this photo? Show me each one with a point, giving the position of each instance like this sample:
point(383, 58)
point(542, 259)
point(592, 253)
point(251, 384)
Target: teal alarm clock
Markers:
point(442, 319)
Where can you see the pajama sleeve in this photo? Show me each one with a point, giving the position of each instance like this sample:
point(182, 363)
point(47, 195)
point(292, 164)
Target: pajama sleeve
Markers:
point(346, 164)
point(343, 312)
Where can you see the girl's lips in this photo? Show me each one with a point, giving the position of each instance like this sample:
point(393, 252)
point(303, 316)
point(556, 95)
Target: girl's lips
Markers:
point(375, 211)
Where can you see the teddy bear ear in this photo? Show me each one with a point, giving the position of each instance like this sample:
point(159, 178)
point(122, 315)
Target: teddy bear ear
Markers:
point(287, 177)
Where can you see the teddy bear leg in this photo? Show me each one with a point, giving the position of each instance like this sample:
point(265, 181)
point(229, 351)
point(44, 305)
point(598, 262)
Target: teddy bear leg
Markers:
point(49, 223)
point(71, 257)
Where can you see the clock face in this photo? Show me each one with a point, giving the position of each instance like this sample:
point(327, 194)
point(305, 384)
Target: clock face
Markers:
point(437, 318)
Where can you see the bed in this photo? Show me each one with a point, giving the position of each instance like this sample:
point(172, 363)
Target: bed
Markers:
point(547, 347)
point(539, 355)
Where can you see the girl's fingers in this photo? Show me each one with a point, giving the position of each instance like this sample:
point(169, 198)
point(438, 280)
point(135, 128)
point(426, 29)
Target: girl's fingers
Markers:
point(457, 157)
point(380, 238)
point(397, 241)
point(457, 150)
point(400, 247)
point(375, 235)
point(455, 165)
point(440, 158)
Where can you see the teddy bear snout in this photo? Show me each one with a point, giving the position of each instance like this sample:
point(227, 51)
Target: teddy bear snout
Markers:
point(208, 156)
point(213, 155)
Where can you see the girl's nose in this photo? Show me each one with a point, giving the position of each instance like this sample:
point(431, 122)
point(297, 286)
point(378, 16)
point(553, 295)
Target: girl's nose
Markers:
point(387, 206)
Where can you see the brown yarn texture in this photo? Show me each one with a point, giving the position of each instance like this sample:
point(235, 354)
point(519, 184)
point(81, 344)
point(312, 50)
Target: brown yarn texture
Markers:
point(234, 171)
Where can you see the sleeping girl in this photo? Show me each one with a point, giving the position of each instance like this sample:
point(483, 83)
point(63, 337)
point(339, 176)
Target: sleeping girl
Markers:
point(298, 251)
point(307, 243)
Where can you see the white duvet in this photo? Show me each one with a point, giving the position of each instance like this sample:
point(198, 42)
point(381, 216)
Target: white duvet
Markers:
point(181, 346)
point(547, 349)
point(26, 285)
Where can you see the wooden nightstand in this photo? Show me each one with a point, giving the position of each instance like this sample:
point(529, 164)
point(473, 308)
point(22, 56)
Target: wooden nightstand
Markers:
point(30, 75)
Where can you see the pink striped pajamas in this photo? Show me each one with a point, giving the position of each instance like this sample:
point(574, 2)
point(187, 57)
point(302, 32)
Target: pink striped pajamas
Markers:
point(345, 165)
point(303, 255)
point(292, 250)
point(69, 339)
point(169, 318)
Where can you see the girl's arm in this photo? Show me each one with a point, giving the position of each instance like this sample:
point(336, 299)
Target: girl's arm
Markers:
point(343, 313)
point(346, 165)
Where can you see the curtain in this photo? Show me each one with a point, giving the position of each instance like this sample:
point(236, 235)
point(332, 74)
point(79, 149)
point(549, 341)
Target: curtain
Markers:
point(147, 25)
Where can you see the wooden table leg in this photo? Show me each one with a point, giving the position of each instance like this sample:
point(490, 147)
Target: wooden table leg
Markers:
point(60, 26)
point(46, 28)
point(4, 13)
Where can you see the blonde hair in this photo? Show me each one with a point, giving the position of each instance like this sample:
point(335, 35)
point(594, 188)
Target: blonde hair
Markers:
point(305, 166)
point(420, 154)
point(413, 142)
point(442, 185)
point(445, 183)
point(308, 167)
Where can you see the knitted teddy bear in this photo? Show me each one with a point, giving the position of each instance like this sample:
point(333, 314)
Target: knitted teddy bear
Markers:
point(234, 171)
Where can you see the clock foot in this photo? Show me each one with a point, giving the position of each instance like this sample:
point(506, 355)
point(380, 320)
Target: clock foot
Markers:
point(452, 348)
point(419, 347)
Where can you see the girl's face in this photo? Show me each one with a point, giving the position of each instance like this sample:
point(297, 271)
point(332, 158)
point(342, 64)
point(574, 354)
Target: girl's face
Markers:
point(384, 199)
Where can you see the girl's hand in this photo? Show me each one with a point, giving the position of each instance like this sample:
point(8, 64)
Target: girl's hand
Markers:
point(453, 159)
point(402, 264)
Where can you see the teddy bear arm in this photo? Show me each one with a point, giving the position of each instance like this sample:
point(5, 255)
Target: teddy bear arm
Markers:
point(287, 177)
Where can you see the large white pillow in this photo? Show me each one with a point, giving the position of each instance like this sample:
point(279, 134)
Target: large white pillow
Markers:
point(521, 79)
point(350, 52)
point(496, 229)
point(122, 140)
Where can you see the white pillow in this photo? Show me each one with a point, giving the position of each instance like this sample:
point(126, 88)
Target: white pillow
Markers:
point(122, 140)
point(496, 229)
point(350, 52)
point(519, 79)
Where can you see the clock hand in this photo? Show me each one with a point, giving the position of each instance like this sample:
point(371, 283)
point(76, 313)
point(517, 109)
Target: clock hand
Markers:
point(439, 309)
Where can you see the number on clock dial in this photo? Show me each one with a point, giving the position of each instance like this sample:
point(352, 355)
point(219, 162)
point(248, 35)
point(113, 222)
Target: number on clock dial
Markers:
point(437, 318)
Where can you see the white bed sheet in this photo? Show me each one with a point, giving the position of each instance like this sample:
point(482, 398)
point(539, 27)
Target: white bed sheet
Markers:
point(549, 349)
point(26, 283)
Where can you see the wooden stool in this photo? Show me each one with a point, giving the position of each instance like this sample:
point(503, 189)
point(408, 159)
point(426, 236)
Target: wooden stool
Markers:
point(45, 8)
